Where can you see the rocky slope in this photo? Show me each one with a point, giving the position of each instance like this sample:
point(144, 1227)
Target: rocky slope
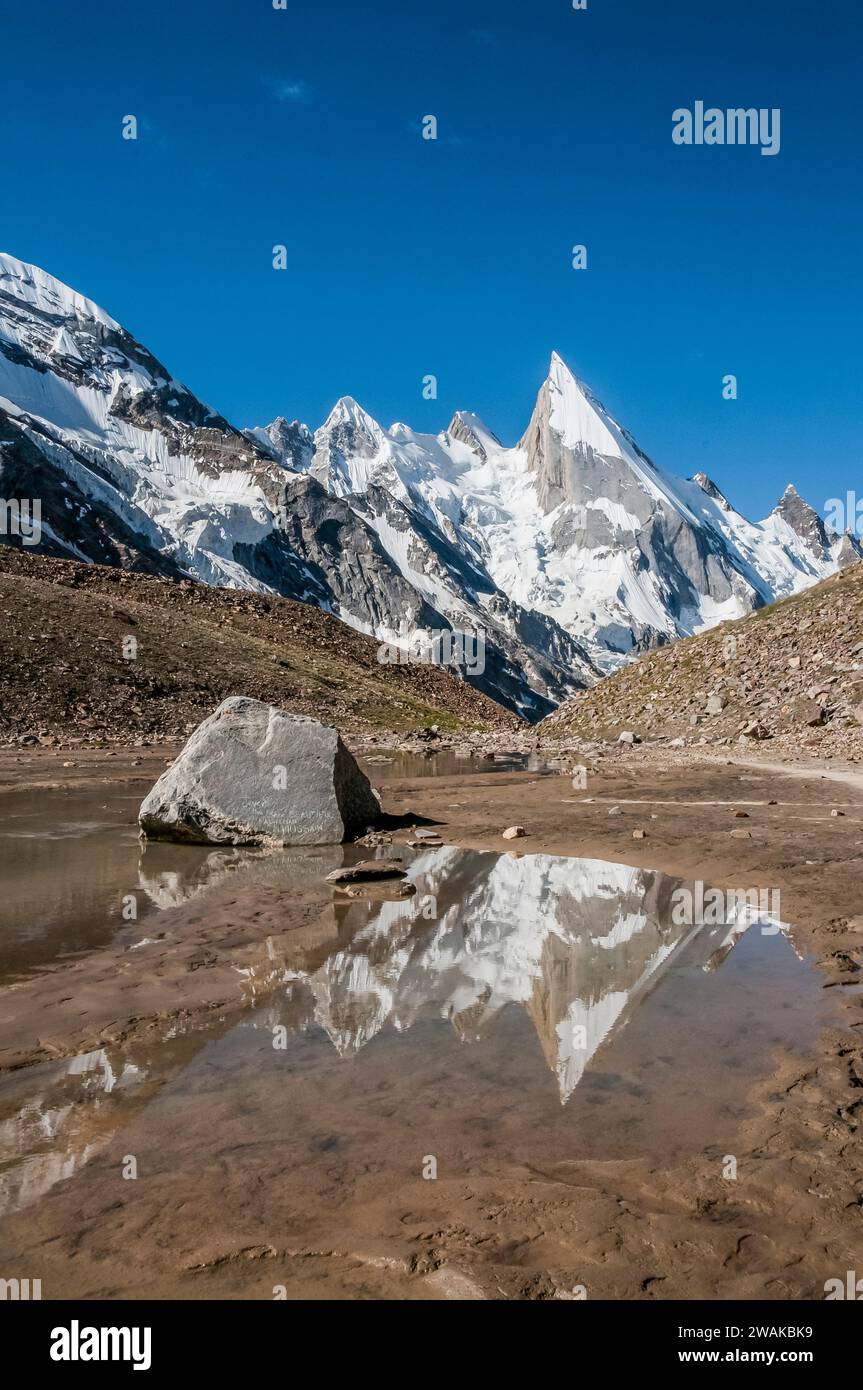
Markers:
point(131, 468)
point(64, 676)
point(790, 677)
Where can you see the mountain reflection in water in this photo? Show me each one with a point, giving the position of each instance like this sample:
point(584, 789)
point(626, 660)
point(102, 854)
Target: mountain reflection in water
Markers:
point(576, 944)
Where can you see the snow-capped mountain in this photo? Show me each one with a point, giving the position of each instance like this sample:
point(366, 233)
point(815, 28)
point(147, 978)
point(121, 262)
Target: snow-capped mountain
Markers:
point(576, 522)
point(566, 553)
point(131, 468)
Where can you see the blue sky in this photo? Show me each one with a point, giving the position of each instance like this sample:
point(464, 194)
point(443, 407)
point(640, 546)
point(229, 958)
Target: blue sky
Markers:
point(408, 257)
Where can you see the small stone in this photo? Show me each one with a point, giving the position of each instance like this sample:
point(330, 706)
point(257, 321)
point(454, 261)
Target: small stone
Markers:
point(514, 832)
point(639, 834)
point(741, 834)
point(754, 730)
point(375, 838)
point(628, 737)
point(808, 711)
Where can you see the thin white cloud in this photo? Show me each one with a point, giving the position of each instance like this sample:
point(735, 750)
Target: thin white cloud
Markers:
point(288, 89)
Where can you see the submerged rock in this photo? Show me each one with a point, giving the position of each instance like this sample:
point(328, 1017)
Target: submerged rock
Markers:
point(367, 869)
point(377, 890)
point(252, 774)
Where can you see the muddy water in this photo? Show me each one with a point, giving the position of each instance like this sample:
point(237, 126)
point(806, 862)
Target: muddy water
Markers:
point(383, 767)
point(74, 875)
point(69, 858)
point(519, 1012)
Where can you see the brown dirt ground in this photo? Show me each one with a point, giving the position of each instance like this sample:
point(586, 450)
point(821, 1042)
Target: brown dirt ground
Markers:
point(64, 679)
point(626, 1229)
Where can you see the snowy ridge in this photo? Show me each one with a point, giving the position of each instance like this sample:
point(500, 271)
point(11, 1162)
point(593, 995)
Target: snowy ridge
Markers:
point(569, 552)
point(131, 467)
point(577, 523)
point(36, 287)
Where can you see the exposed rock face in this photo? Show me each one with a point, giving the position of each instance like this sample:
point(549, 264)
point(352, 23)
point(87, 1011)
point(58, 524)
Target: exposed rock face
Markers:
point(291, 443)
point(575, 525)
point(847, 551)
point(348, 434)
point(528, 659)
point(609, 497)
point(708, 485)
point(252, 774)
point(79, 523)
point(468, 429)
point(804, 521)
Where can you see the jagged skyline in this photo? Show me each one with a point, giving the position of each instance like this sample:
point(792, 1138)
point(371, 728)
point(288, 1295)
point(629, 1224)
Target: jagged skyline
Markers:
point(567, 554)
point(407, 258)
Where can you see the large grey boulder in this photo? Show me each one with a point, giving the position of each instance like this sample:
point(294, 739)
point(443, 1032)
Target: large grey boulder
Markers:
point(252, 774)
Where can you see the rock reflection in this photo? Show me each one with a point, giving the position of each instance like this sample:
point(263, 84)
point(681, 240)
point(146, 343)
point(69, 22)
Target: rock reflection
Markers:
point(172, 875)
